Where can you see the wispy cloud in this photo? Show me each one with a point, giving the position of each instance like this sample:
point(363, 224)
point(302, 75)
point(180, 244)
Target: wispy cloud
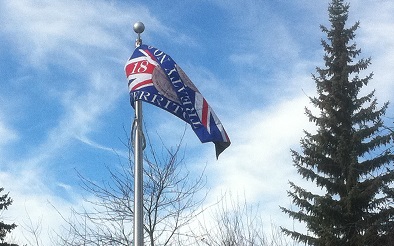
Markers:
point(76, 50)
point(6, 134)
point(258, 163)
point(77, 38)
point(375, 41)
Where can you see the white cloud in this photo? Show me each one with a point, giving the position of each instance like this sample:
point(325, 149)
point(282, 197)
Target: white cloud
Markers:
point(80, 37)
point(32, 205)
point(258, 162)
point(6, 134)
point(85, 41)
point(50, 30)
point(376, 41)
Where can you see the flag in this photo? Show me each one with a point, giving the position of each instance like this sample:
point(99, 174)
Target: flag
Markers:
point(154, 77)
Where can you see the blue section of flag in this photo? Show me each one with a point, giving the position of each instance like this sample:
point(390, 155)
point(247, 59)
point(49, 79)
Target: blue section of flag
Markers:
point(154, 77)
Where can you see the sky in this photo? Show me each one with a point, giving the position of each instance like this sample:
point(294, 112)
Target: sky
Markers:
point(64, 103)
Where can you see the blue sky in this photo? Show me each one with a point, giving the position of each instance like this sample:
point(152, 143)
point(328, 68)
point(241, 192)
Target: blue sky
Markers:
point(64, 103)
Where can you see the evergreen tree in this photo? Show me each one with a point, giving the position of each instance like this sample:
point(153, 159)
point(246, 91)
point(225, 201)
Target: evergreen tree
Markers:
point(349, 156)
point(5, 201)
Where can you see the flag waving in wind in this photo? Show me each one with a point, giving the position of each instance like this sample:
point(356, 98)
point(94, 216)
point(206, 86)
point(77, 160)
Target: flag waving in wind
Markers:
point(154, 77)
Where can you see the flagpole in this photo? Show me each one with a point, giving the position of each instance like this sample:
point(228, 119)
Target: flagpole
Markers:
point(138, 159)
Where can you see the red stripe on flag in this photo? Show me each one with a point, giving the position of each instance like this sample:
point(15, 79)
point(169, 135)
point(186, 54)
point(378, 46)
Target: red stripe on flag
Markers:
point(205, 110)
point(139, 67)
point(150, 54)
point(140, 84)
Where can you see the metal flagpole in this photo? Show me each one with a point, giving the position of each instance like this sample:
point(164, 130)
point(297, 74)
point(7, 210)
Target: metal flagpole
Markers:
point(138, 140)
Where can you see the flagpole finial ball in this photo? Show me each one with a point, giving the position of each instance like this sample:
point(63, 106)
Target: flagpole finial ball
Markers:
point(139, 27)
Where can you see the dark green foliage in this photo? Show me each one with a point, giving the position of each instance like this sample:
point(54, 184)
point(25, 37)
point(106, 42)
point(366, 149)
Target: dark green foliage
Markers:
point(5, 201)
point(349, 157)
